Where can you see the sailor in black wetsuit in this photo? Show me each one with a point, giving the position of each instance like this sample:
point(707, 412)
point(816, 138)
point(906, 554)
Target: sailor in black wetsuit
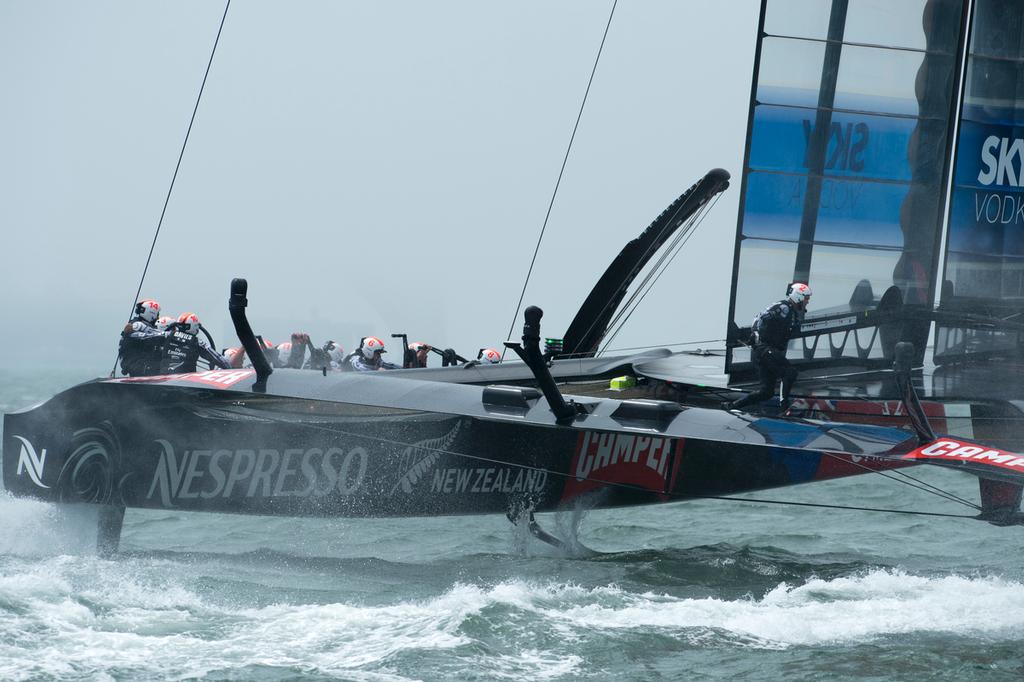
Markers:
point(770, 334)
point(183, 347)
point(141, 342)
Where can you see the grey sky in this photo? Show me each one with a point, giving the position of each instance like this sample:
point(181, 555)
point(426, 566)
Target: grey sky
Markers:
point(393, 162)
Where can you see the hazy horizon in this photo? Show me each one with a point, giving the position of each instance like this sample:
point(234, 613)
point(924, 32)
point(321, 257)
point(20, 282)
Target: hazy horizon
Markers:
point(369, 168)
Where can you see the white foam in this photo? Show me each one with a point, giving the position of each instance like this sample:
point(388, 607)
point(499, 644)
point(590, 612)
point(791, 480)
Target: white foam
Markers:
point(36, 528)
point(83, 608)
point(151, 624)
point(839, 611)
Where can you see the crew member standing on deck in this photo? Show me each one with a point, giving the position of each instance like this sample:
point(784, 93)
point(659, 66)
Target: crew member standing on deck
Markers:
point(141, 342)
point(770, 334)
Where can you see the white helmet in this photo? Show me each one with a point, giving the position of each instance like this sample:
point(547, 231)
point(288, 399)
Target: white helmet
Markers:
point(335, 351)
point(490, 356)
point(163, 322)
point(189, 322)
point(416, 346)
point(799, 292)
point(148, 310)
point(371, 345)
point(284, 351)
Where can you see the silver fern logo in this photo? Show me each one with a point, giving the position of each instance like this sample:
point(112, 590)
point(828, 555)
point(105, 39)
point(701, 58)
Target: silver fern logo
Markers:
point(421, 457)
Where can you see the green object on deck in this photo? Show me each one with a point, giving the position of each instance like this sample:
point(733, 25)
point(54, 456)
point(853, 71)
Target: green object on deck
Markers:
point(622, 383)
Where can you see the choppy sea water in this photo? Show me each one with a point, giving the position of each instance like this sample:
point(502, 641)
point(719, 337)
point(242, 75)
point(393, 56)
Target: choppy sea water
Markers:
point(695, 590)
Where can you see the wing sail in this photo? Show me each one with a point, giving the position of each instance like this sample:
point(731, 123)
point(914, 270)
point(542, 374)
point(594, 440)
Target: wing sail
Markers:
point(849, 140)
point(985, 255)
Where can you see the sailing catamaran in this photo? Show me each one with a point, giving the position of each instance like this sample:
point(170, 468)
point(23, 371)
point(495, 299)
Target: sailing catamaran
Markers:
point(860, 114)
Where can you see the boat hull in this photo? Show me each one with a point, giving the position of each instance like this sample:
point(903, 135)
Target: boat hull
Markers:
point(174, 446)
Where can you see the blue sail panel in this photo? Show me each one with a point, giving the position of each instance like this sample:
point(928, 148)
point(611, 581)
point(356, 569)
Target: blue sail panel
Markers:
point(859, 145)
point(849, 212)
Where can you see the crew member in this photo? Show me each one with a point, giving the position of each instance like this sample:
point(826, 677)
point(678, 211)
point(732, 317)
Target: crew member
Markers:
point(369, 356)
point(183, 347)
point(163, 322)
point(292, 353)
point(235, 356)
point(488, 356)
point(335, 353)
point(770, 334)
point(269, 351)
point(329, 356)
point(141, 342)
point(419, 352)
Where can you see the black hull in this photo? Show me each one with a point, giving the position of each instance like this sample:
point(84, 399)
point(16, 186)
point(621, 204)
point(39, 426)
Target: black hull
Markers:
point(311, 450)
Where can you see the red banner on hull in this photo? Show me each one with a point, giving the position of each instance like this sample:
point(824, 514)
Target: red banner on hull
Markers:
point(635, 460)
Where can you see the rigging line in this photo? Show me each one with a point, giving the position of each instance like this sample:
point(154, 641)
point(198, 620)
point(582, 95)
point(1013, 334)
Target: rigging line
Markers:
point(571, 356)
point(679, 237)
point(830, 506)
point(809, 382)
point(851, 43)
point(686, 226)
point(833, 243)
point(558, 182)
point(941, 492)
point(847, 375)
point(660, 267)
point(853, 399)
point(689, 233)
point(809, 412)
point(649, 274)
point(665, 345)
point(611, 484)
point(920, 485)
point(177, 166)
point(847, 110)
point(655, 244)
point(882, 416)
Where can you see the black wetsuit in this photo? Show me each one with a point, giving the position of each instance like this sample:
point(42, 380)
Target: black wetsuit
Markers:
point(181, 352)
point(770, 334)
point(140, 348)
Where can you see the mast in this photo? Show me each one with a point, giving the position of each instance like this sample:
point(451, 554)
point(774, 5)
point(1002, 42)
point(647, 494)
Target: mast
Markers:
point(820, 136)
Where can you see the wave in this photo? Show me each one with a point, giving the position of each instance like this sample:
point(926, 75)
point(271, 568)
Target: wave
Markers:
point(844, 610)
point(62, 616)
